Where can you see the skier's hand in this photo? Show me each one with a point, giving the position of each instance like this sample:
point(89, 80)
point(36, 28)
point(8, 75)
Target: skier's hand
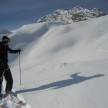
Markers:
point(19, 50)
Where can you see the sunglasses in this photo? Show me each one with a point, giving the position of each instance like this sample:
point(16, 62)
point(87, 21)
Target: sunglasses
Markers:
point(6, 40)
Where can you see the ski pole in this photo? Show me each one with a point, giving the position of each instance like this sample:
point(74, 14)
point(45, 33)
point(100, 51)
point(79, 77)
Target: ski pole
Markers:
point(20, 69)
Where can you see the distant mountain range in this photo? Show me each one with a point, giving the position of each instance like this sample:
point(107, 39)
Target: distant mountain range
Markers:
point(76, 14)
point(4, 31)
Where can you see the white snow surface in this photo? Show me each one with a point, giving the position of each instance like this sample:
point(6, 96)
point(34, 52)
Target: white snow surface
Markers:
point(63, 66)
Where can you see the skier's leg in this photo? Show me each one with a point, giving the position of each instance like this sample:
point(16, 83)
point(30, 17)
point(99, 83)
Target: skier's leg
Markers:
point(1, 80)
point(9, 80)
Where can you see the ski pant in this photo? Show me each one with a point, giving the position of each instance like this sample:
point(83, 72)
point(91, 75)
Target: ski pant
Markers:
point(8, 77)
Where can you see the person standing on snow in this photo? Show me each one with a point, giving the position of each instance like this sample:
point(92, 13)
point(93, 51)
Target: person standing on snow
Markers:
point(4, 67)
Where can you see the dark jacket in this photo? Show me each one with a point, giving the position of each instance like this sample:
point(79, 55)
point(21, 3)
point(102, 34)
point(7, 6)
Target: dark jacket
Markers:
point(4, 53)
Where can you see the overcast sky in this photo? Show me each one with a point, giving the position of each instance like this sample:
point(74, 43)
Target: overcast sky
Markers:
point(15, 13)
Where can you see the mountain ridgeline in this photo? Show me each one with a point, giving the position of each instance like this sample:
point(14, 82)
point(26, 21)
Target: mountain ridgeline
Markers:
point(76, 14)
point(4, 31)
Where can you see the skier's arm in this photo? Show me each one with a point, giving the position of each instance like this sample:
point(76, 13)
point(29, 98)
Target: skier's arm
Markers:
point(14, 51)
point(2, 63)
point(1, 56)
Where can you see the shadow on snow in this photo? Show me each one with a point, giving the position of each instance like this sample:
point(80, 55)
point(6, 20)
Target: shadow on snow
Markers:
point(75, 79)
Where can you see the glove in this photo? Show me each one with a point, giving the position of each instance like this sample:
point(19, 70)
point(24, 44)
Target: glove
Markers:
point(19, 50)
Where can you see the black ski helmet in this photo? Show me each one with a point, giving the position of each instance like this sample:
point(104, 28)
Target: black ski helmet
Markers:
point(5, 39)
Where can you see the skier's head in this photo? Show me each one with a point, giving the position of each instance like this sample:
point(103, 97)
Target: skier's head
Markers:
point(5, 40)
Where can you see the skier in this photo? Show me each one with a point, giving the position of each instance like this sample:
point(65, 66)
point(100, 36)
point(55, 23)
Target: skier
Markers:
point(4, 67)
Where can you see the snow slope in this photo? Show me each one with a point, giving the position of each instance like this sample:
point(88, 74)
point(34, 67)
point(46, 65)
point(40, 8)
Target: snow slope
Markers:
point(63, 66)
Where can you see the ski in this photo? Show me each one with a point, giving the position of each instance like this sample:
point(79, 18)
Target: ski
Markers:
point(20, 102)
point(3, 101)
point(13, 99)
point(2, 106)
point(16, 100)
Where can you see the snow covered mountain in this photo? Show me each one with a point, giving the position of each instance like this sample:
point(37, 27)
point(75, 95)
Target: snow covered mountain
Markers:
point(63, 66)
point(4, 31)
point(65, 16)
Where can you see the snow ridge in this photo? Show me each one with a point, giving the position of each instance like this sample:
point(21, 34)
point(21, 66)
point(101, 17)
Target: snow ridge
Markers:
point(76, 14)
